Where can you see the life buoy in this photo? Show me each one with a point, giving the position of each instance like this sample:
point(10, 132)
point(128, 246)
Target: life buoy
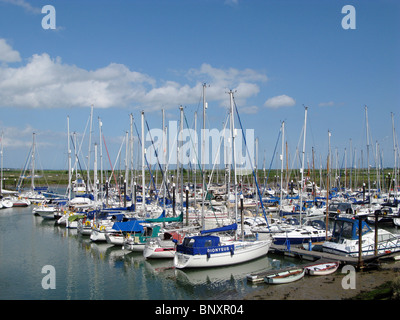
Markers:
point(87, 223)
point(102, 228)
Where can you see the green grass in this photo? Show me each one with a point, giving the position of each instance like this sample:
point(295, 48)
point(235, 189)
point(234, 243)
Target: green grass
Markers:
point(60, 177)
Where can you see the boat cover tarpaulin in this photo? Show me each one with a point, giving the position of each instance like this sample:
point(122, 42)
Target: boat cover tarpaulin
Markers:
point(75, 217)
point(203, 245)
point(162, 218)
point(230, 227)
point(128, 226)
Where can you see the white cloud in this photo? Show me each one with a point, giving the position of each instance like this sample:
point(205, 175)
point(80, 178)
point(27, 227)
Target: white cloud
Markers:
point(249, 110)
point(280, 101)
point(326, 104)
point(232, 2)
point(23, 4)
point(7, 54)
point(45, 82)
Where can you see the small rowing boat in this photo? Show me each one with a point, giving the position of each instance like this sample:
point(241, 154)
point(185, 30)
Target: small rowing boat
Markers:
point(322, 269)
point(285, 276)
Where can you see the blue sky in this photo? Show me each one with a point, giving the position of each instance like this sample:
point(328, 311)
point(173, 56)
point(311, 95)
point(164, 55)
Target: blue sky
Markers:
point(126, 56)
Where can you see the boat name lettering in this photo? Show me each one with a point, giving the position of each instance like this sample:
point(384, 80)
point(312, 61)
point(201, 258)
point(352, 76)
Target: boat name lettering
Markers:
point(218, 249)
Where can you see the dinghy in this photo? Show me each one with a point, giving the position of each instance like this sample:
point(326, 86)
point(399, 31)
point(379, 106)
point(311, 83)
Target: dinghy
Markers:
point(322, 269)
point(285, 276)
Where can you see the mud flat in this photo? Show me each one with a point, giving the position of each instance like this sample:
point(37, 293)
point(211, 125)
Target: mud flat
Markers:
point(328, 287)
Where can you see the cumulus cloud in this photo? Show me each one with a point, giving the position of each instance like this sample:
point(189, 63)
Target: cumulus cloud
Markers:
point(7, 54)
point(280, 101)
point(46, 82)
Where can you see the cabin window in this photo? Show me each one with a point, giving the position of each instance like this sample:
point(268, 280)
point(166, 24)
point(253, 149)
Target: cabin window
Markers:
point(343, 229)
point(188, 242)
point(208, 243)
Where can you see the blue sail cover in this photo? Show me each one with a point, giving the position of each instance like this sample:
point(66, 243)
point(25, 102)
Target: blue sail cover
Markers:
point(230, 227)
point(128, 226)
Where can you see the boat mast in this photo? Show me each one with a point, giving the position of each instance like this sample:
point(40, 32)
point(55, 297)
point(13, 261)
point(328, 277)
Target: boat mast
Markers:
point(101, 160)
point(126, 180)
point(90, 142)
point(95, 175)
point(233, 134)
point(143, 166)
point(368, 170)
point(327, 186)
point(181, 154)
point(195, 160)
point(163, 141)
point(131, 155)
point(1, 151)
point(203, 154)
point(302, 163)
point(33, 163)
point(69, 161)
point(395, 158)
point(282, 155)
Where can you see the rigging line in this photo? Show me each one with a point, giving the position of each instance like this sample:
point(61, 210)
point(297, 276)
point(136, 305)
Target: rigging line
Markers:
point(77, 158)
point(272, 160)
point(22, 174)
point(219, 150)
point(80, 146)
point(204, 194)
point(145, 158)
point(158, 161)
point(112, 171)
point(117, 158)
point(252, 168)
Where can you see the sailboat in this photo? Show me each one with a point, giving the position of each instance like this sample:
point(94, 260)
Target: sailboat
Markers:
point(214, 251)
point(208, 250)
point(314, 231)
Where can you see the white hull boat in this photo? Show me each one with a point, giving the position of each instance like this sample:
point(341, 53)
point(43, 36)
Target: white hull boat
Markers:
point(159, 249)
point(84, 227)
point(285, 276)
point(345, 239)
point(115, 238)
point(322, 269)
point(207, 251)
point(46, 212)
point(99, 232)
point(6, 203)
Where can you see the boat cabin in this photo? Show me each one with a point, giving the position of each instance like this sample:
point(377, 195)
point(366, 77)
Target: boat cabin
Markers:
point(203, 245)
point(347, 229)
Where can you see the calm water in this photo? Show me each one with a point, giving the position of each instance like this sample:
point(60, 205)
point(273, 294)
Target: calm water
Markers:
point(86, 270)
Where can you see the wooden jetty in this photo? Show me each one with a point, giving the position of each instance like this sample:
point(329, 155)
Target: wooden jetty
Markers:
point(317, 257)
point(303, 254)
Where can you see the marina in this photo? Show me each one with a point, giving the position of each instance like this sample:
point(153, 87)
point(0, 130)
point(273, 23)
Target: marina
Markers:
point(198, 150)
point(184, 232)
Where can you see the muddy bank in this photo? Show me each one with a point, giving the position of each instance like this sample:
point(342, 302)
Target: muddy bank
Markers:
point(328, 287)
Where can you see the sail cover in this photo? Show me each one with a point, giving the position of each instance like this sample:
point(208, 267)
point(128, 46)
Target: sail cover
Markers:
point(230, 227)
point(128, 226)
